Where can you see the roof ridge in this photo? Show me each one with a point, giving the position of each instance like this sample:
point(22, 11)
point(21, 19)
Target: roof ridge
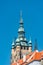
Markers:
point(31, 57)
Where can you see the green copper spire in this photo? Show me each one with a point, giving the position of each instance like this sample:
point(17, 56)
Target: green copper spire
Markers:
point(21, 28)
point(21, 39)
point(21, 32)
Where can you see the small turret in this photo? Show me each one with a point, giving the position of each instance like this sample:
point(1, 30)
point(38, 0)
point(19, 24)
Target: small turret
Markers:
point(18, 48)
point(17, 42)
point(12, 52)
point(13, 45)
point(30, 45)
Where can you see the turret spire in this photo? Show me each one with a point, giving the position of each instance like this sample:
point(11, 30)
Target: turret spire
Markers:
point(30, 45)
point(35, 46)
point(30, 40)
point(13, 44)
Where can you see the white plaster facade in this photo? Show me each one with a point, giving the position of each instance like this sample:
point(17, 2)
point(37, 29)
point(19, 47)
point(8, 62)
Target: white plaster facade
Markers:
point(35, 63)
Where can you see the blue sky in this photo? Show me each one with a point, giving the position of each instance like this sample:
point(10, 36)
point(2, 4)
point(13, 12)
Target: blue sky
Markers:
point(9, 21)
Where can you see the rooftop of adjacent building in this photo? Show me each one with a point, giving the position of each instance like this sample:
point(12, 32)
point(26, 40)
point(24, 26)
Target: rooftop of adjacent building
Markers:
point(33, 56)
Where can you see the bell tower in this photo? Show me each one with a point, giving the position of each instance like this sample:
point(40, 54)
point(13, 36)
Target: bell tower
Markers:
point(20, 47)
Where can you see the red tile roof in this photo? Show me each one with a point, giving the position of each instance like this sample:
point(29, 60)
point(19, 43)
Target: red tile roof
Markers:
point(30, 57)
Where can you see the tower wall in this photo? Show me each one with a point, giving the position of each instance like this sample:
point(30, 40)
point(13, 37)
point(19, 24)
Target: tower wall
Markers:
point(30, 49)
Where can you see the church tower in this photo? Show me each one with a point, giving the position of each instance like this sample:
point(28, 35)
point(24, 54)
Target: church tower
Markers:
point(20, 46)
